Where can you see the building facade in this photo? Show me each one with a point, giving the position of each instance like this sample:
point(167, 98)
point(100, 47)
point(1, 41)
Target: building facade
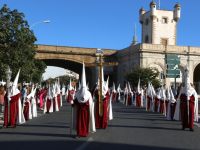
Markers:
point(159, 28)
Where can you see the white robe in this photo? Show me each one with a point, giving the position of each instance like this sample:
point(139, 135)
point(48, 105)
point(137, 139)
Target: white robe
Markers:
point(34, 107)
point(20, 119)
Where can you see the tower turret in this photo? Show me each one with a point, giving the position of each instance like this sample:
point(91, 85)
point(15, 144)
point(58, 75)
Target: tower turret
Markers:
point(177, 12)
point(153, 8)
point(159, 26)
point(141, 13)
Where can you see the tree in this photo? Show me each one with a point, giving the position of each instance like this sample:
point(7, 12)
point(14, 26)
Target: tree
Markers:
point(17, 46)
point(145, 74)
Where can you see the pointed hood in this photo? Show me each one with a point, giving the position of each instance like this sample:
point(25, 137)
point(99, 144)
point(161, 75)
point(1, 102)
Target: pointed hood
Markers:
point(79, 85)
point(83, 94)
point(83, 77)
point(50, 92)
point(15, 89)
point(158, 93)
point(113, 88)
point(105, 87)
point(126, 89)
point(70, 85)
point(118, 88)
point(172, 99)
point(187, 86)
point(129, 88)
point(153, 90)
point(138, 87)
point(88, 86)
point(149, 89)
point(16, 79)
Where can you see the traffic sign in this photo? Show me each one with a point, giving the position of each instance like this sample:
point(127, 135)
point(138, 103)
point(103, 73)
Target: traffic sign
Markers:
point(172, 62)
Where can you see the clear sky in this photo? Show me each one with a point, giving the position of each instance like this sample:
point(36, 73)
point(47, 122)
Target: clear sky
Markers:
point(100, 23)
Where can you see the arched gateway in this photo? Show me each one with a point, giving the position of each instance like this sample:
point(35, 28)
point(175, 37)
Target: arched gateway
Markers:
point(72, 57)
point(159, 36)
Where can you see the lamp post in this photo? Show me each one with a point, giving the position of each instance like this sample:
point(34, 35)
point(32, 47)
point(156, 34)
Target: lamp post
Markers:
point(8, 77)
point(39, 22)
point(99, 61)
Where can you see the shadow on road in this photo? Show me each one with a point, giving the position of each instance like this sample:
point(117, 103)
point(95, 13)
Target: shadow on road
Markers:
point(76, 145)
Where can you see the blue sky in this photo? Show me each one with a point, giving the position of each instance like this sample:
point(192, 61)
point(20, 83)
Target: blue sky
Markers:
point(100, 23)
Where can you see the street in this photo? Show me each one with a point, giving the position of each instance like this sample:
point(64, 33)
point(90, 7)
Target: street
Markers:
point(132, 128)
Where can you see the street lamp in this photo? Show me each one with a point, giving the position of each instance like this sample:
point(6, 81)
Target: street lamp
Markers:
point(39, 22)
point(8, 77)
point(99, 61)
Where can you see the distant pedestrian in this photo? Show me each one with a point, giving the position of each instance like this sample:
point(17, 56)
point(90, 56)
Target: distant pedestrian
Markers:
point(2, 94)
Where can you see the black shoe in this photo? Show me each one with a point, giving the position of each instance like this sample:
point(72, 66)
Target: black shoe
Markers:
point(183, 128)
point(191, 129)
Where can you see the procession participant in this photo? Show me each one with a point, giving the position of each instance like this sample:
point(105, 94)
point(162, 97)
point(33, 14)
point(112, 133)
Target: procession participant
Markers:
point(149, 97)
point(113, 93)
point(2, 94)
point(58, 93)
point(171, 105)
point(168, 96)
point(126, 95)
point(84, 108)
point(101, 104)
point(70, 93)
point(139, 98)
point(118, 96)
point(13, 110)
point(162, 105)
point(130, 95)
point(188, 104)
point(55, 102)
point(48, 106)
point(157, 100)
point(63, 90)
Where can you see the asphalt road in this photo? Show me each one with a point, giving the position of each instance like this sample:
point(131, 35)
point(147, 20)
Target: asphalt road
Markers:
point(132, 128)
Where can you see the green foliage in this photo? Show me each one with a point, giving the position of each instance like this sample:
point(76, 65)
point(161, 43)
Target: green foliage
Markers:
point(145, 75)
point(17, 48)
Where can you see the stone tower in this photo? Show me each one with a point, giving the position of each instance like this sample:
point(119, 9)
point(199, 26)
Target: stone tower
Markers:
point(159, 26)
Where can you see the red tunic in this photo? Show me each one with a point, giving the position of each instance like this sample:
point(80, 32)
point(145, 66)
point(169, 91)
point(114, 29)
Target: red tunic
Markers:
point(48, 105)
point(82, 119)
point(26, 111)
point(187, 123)
point(138, 100)
point(156, 102)
point(102, 121)
point(148, 102)
point(161, 110)
point(129, 99)
point(70, 96)
point(13, 114)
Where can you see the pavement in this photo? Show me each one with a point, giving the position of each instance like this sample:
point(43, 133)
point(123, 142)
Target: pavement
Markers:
point(131, 128)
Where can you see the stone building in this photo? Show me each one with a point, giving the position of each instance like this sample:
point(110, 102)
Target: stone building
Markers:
point(159, 28)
